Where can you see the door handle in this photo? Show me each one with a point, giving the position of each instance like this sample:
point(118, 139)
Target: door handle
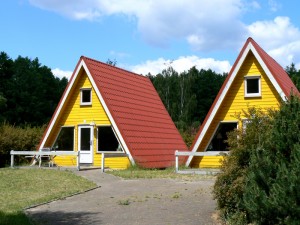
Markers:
point(91, 142)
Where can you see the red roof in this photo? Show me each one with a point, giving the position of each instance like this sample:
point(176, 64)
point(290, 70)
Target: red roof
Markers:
point(139, 114)
point(276, 71)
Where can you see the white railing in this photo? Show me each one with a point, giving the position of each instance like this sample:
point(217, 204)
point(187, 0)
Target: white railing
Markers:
point(110, 155)
point(185, 153)
point(39, 154)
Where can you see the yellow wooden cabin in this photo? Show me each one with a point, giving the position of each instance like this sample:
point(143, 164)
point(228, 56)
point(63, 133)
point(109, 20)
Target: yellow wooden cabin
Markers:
point(105, 109)
point(255, 80)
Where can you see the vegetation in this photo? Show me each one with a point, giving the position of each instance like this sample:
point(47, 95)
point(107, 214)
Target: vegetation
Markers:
point(135, 172)
point(29, 92)
point(188, 96)
point(21, 188)
point(259, 183)
point(294, 74)
point(17, 138)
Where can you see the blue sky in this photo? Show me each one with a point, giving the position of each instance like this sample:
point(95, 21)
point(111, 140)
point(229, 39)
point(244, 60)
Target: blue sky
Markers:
point(148, 35)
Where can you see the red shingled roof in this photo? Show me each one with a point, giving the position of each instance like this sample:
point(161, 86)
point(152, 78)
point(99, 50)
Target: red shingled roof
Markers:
point(277, 71)
point(139, 114)
point(282, 81)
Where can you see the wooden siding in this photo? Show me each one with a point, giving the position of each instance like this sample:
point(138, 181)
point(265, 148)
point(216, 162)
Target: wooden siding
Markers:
point(234, 102)
point(72, 114)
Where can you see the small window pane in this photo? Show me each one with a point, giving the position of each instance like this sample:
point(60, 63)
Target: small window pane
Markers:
point(107, 140)
point(252, 86)
point(85, 141)
point(65, 140)
point(85, 96)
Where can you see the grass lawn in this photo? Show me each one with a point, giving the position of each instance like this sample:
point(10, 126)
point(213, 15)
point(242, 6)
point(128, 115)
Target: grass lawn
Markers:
point(135, 172)
point(21, 188)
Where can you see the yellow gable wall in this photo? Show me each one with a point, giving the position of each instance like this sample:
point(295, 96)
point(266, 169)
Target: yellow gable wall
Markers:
point(234, 102)
point(72, 114)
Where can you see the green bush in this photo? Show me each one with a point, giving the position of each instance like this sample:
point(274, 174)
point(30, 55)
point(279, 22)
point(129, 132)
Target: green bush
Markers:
point(259, 183)
point(230, 183)
point(18, 138)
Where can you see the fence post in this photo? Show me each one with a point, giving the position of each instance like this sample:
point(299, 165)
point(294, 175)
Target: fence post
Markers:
point(78, 160)
point(102, 159)
point(11, 158)
point(176, 161)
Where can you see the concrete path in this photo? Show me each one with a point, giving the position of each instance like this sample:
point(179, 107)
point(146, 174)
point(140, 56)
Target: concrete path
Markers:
point(132, 202)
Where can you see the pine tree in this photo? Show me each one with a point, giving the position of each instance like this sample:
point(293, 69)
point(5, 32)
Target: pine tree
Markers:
point(272, 193)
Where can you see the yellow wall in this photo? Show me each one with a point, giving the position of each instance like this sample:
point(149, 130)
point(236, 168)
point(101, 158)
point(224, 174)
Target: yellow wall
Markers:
point(72, 114)
point(234, 102)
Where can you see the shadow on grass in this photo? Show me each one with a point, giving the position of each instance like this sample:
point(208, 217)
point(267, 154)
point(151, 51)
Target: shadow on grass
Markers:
point(15, 218)
point(64, 218)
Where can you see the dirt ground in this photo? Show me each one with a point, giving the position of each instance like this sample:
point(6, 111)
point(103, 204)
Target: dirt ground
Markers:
point(144, 201)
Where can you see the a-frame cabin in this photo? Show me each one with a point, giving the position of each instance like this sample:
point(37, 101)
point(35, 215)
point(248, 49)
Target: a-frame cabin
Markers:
point(108, 109)
point(255, 80)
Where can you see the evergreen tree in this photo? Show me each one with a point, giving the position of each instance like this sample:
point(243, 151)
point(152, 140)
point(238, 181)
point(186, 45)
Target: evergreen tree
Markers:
point(272, 193)
point(29, 92)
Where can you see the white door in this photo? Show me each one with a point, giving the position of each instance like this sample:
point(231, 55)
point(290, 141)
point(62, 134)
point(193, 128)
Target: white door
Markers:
point(85, 143)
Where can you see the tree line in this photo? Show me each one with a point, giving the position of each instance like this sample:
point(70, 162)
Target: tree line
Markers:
point(29, 92)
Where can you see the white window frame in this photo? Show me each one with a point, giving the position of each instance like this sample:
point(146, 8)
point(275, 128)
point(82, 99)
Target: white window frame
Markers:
point(85, 103)
point(246, 78)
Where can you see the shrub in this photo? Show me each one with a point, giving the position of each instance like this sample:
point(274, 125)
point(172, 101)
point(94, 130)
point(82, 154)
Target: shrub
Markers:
point(230, 183)
point(259, 183)
point(18, 138)
point(272, 193)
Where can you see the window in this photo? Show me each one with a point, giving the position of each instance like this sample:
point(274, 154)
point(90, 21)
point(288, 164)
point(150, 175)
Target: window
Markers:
point(107, 140)
point(65, 140)
point(252, 86)
point(218, 143)
point(86, 96)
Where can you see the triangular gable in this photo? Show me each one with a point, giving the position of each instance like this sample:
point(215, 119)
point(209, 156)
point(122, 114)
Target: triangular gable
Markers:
point(81, 65)
point(275, 73)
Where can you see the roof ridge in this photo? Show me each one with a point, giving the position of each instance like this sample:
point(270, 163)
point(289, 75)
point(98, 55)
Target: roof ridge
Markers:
point(111, 66)
point(258, 47)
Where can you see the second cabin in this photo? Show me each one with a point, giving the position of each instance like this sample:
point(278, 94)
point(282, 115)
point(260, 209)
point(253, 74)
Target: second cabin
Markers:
point(255, 80)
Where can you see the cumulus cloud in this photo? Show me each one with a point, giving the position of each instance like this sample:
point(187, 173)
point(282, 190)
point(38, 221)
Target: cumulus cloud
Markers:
point(181, 64)
point(61, 73)
point(206, 25)
point(200, 23)
point(279, 37)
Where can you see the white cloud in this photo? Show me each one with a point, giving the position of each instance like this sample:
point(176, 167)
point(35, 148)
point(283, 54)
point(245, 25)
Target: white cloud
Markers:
point(61, 73)
point(205, 25)
point(279, 37)
point(181, 64)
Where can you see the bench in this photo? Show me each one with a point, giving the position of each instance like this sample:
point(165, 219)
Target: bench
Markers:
point(38, 155)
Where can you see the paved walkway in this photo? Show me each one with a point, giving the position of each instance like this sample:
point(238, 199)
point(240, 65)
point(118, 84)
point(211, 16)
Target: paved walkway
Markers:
point(132, 202)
